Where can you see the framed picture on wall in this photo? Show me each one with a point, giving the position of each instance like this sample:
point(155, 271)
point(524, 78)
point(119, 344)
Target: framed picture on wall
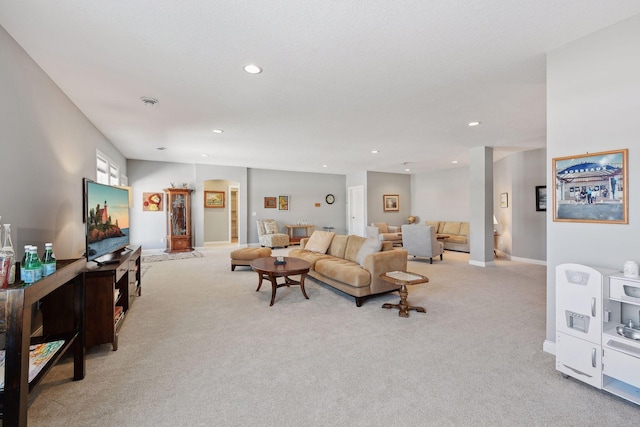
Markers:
point(214, 199)
point(541, 198)
point(391, 202)
point(270, 202)
point(600, 187)
point(152, 202)
point(283, 203)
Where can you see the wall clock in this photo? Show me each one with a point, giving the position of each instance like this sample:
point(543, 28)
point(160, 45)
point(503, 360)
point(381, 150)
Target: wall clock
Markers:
point(330, 199)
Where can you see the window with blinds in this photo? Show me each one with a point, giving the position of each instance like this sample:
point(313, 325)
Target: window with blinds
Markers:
point(107, 172)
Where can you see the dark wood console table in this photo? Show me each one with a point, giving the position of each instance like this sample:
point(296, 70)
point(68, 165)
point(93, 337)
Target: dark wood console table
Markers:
point(17, 305)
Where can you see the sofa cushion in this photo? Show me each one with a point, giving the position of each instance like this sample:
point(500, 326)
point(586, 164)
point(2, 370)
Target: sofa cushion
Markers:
point(338, 245)
point(382, 227)
point(434, 224)
point(370, 246)
point(344, 271)
point(319, 241)
point(353, 247)
point(311, 257)
point(464, 229)
point(457, 239)
point(451, 228)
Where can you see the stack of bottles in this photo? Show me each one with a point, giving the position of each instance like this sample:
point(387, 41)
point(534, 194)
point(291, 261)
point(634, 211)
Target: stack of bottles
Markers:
point(32, 268)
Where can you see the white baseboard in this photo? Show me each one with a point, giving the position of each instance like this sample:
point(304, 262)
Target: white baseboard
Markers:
point(481, 263)
point(549, 347)
point(528, 260)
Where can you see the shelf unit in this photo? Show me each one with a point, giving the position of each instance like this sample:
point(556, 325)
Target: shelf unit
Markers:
point(178, 219)
point(18, 304)
point(295, 238)
point(590, 304)
point(110, 292)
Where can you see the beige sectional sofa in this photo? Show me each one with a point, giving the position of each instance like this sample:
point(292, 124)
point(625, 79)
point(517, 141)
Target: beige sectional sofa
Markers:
point(458, 233)
point(339, 267)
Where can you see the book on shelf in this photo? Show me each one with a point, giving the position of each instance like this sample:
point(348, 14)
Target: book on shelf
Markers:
point(117, 312)
point(39, 355)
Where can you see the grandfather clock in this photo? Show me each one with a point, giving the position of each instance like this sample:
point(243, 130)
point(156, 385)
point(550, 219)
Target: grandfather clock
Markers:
point(178, 219)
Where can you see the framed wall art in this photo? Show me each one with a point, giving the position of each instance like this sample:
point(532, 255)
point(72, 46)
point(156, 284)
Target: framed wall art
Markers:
point(541, 198)
point(391, 202)
point(591, 187)
point(504, 200)
point(270, 202)
point(152, 202)
point(214, 199)
point(283, 203)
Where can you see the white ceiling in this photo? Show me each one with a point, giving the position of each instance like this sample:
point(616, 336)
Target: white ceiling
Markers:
point(340, 78)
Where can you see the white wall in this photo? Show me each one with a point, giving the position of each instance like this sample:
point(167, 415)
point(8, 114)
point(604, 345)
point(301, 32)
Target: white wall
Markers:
point(593, 105)
point(379, 184)
point(48, 146)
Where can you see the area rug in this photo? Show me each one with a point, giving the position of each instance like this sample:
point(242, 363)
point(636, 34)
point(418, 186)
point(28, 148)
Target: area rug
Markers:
point(169, 257)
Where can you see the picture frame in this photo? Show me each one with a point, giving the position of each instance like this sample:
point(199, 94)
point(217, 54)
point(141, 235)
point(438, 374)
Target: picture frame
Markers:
point(504, 200)
point(391, 202)
point(214, 199)
point(541, 198)
point(600, 187)
point(152, 202)
point(270, 202)
point(283, 203)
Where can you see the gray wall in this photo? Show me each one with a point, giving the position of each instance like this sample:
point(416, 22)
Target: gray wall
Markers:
point(441, 195)
point(48, 146)
point(521, 227)
point(305, 190)
point(593, 105)
point(216, 220)
point(379, 184)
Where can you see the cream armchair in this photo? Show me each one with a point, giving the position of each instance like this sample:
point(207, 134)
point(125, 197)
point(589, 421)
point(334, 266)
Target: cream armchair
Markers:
point(420, 240)
point(384, 232)
point(269, 236)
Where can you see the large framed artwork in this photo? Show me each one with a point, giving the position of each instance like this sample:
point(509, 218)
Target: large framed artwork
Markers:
point(214, 199)
point(391, 202)
point(591, 187)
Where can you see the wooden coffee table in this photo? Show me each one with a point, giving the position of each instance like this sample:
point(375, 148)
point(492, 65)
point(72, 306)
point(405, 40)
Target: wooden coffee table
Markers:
point(268, 269)
point(403, 279)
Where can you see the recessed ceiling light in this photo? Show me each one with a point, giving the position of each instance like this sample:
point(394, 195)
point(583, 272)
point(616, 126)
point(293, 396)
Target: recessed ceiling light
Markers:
point(324, 166)
point(218, 131)
point(149, 102)
point(407, 170)
point(252, 69)
point(474, 123)
point(454, 161)
point(204, 155)
point(375, 151)
point(161, 148)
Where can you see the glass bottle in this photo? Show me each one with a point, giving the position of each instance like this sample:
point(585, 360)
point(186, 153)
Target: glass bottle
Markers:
point(48, 260)
point(23, 262)
point(6, 255)
point(33, 267)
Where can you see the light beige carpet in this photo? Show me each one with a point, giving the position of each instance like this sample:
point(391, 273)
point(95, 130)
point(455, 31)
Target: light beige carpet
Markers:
point(202, 348)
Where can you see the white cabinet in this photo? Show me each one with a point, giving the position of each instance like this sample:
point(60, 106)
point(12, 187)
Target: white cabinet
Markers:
point(591, 305)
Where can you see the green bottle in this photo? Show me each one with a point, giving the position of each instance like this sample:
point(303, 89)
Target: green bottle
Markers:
point(48, 260)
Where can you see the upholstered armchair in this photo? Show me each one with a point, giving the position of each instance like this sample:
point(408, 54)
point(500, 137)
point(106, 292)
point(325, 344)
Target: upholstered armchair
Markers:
point(421, 241)
point(384, 232)
point(268, 234)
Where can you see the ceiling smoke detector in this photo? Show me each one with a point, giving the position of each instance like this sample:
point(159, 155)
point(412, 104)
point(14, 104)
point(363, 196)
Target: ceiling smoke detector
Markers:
point(149, 102)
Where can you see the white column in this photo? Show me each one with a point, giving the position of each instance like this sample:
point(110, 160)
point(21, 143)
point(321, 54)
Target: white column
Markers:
point(481, 221)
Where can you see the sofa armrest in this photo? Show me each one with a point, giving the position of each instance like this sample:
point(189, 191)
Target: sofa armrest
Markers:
point(382, 262)
point(303, 242)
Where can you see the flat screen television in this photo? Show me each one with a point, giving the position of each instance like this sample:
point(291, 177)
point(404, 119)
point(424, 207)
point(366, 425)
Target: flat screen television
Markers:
point(107, 220)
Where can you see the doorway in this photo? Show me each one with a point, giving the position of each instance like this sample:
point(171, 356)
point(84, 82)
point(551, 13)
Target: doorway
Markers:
point(355, 210)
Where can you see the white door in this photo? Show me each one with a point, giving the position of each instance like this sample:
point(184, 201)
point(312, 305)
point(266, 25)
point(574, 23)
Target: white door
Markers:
point(355, 210)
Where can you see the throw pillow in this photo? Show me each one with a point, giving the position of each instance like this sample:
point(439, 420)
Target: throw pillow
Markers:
point(271, 228)
point(370, 246)
point(319, 241)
